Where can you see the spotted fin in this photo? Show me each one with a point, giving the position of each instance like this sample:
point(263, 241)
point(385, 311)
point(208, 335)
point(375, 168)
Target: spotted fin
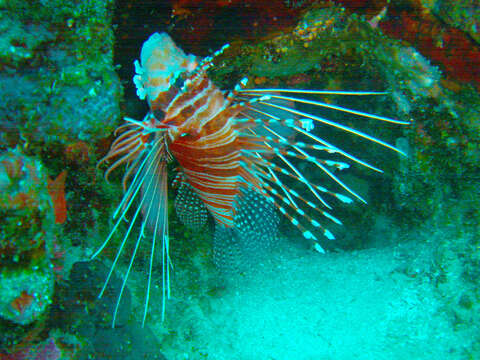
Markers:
point(253, 236)
point(190, 208)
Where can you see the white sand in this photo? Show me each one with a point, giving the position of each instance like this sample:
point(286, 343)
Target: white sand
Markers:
point(369, 304)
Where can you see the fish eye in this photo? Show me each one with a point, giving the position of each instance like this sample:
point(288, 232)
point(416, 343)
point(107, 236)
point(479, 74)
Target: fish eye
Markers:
point(179, 82)
point(158, 114)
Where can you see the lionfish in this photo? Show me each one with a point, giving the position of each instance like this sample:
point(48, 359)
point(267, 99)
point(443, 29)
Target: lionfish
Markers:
point(233, 155)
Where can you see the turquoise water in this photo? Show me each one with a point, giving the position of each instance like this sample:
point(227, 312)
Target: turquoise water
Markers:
point(399, 280)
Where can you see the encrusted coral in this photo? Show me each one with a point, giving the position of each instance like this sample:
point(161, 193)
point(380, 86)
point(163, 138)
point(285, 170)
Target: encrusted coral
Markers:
point(26, 235)
point(60, 101)
point(58, 82)
point(25, 207)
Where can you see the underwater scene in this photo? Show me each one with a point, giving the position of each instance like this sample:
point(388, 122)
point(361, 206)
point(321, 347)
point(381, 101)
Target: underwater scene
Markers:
point(244, 180)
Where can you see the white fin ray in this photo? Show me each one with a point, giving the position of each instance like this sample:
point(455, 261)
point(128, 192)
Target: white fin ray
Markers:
point(313, 92)
point(336, 125)
point(297, 208)
point(156, 218)
point(268, 191)
point(328, 147)
point(272, 173)
point(337, 150)
point(323, 168)
point(124, 205)
point(260, 171)
point(135, 184)
point(336, 107)
point(279, 144)
point(153, 161)
point(122, 245)
point(294, 169)
point(125, 158)
point(126, 136)
point(141, 235)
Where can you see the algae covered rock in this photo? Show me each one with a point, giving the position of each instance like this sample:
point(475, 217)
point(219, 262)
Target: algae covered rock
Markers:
point(462, 14)
point(58, 83)
point(26, 292)
point(25, 207)
point(26, 235)
point(20, 42)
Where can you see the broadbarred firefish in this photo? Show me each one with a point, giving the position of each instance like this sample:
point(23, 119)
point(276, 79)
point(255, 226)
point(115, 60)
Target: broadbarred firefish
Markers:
point(237, 151)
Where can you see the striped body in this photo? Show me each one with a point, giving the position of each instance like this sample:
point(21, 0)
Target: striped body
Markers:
point(232, 148)
point(207, 146)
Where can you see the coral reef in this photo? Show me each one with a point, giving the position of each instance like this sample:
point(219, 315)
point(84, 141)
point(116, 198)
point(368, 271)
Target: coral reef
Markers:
point(61, 101)
point(246, 19)
point(57, 73)
point(77, 310)
point(26, 239)
point(44, 351)
point(443, 43)
point(463, 14)
point(25, 204)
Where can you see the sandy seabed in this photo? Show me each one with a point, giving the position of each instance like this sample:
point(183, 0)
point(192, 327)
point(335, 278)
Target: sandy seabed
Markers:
point(377, 303)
